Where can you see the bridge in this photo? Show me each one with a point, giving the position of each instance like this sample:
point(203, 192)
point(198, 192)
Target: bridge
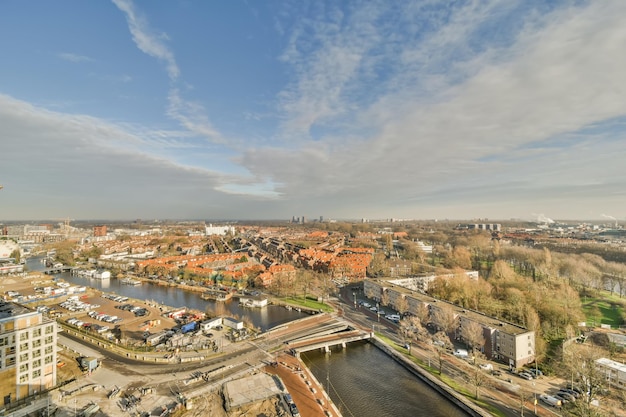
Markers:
point(322, 332)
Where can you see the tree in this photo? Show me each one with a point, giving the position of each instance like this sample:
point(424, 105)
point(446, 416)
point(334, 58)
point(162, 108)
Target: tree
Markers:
point(586, 374)
point(378, 265)
point(472, 334)
point(384, 298)
point(16, 254)
point(402, 305)
point(444, 318)
point(477, 377)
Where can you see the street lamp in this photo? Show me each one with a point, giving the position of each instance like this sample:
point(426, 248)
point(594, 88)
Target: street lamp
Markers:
point(354, 295)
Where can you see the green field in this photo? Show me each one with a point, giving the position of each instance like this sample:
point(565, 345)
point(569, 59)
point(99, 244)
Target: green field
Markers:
point(604, 310)
point(308, 303)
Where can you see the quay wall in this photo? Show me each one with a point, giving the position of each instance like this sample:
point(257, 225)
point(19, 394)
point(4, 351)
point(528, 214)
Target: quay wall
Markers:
point(460, 401)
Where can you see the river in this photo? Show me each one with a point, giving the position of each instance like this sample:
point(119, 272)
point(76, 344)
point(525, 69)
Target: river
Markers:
point(362, 380)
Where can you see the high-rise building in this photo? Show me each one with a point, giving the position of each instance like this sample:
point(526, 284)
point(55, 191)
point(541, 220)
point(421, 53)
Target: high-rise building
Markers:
point(28, 350)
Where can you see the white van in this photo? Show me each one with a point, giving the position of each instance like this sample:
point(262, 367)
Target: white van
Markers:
point(550, 400)
point(461, 353)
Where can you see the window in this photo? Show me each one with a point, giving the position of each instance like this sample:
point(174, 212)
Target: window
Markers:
point(23, 378)
point(48, 359)
point(48, 349)
point(37, 343)
point(24, 367)
point(24, 346)
point(49, 329)
point(36, 353)
point(3, 341)
point(37, 332)
point(37, 363)
point(36, 373)
point(49, 340)
point(23, 357)
point(23, 336)
point(10, 361)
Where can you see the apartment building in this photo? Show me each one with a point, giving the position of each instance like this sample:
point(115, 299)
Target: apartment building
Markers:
point(505, 342)
point(28, 349)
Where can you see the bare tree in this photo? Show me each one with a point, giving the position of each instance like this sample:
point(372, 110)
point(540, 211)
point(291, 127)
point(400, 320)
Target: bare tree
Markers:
point(384, 298)
point(587, 375)
point(472, 334)
point(444, 318)
point(477, 376)
point(402, 305)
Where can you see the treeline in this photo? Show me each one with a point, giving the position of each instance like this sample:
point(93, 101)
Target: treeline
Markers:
point(535, 288)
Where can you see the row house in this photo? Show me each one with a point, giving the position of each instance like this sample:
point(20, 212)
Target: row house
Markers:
point(287, 273)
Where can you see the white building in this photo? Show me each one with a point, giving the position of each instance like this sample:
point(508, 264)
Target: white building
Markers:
point(219, 230)
point(615, 372)
point(28, 352)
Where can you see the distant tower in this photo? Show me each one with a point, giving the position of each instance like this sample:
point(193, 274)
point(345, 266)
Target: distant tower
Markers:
point(303, 219)
point(321, 219)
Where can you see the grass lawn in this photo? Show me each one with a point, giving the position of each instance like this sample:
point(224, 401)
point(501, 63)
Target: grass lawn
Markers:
point(604, 309)
point(308, 303)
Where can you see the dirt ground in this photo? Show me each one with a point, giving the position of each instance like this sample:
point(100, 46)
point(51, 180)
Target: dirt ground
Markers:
point(212, 405)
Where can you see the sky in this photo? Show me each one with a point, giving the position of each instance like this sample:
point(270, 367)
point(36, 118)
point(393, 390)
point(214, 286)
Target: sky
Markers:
point(426, 109)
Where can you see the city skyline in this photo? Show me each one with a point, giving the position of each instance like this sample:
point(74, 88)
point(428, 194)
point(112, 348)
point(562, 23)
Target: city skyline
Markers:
point(242, 110)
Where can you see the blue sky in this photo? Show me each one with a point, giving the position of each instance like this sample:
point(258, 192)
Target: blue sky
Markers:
point(354, 109)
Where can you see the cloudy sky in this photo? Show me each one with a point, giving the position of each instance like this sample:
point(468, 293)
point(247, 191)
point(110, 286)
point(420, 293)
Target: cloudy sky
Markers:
point(234, 109)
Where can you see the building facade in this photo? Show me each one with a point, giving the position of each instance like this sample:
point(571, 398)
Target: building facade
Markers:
point(505, 342)
point(28, 351)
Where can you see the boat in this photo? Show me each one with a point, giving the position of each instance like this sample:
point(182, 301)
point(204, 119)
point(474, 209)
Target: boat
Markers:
point(129, 281)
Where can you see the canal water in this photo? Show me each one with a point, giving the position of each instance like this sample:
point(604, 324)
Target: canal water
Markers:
point(363, 381)
point(263, 318)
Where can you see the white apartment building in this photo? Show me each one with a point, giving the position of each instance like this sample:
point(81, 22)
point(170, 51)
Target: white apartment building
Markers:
point(219, 230)
point(28, 351)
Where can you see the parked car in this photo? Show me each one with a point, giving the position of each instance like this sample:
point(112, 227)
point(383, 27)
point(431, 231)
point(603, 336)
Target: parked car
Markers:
point(525, 375)
point(571, 391)
point(486, 366)
point(550, 400)
point(535, 372)
point(566, 395)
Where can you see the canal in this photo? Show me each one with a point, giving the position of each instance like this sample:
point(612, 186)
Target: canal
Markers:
point(363, 381)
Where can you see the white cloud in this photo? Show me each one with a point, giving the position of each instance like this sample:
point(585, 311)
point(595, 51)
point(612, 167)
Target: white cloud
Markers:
point(77, 165)
point(148, 42)
point(191, 116)
point(558, 76)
